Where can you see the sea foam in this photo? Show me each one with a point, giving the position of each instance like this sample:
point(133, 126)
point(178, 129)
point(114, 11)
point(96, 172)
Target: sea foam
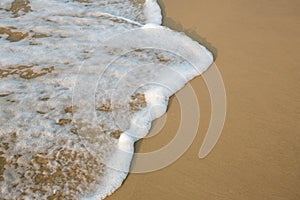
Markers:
point(80, 82)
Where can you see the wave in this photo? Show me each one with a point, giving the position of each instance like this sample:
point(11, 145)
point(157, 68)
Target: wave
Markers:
point(80, 82)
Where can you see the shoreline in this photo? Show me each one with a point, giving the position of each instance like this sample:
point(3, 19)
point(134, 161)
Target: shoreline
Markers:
point(255, 45)
point(256, 156)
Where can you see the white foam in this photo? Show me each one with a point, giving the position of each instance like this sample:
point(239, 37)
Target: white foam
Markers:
point(5, 4)
point(117, 73)
point(152, 12)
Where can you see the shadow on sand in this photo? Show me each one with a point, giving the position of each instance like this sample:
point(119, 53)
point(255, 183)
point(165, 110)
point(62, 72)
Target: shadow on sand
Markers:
point(169, 22)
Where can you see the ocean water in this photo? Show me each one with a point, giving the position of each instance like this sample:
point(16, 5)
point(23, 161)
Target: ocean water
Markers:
point(80, 82)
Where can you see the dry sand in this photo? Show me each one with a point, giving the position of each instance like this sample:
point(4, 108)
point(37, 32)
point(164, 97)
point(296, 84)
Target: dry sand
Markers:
point(258, 155)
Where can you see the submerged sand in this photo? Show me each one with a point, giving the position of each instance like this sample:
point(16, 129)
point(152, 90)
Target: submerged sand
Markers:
point(257, 156)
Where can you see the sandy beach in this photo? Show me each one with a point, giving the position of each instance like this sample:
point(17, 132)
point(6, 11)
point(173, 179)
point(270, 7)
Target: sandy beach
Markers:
point(257, 157)
point(255, 45)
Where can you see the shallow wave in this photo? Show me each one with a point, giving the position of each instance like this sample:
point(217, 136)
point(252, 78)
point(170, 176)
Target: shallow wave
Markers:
point(80, 82)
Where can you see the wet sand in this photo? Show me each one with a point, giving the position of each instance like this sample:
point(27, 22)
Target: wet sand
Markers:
point(256, 44)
